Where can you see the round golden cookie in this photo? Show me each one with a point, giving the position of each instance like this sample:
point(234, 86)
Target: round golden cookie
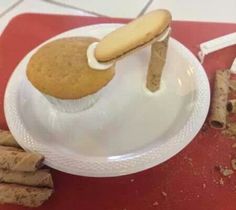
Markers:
point(135, 34)
point(60, 69)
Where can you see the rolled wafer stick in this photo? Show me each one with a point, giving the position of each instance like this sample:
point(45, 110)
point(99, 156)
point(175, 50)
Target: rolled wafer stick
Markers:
point(39, 178)
point(6, 148)
point(156, 64)
point(24, 195)
point(219, 100)
point(20, 161)
point(231, 106)
point(7, 139)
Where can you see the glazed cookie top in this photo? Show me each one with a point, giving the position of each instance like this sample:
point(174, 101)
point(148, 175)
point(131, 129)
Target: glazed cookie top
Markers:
point(136, 33)
point(60, 69)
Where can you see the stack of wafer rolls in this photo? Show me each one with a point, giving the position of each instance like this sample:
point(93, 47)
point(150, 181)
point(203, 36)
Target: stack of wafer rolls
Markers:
point(22, 181)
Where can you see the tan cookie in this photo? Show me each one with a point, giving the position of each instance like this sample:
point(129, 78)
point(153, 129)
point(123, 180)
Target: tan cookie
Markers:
point(60, 69)
point(135, 34)
point(24, 195)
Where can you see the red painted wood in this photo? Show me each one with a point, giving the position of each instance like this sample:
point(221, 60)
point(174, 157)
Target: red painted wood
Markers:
point(187, 181)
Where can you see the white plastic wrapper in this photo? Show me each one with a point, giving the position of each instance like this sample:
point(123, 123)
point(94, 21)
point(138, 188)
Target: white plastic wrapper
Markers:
point(216, 44)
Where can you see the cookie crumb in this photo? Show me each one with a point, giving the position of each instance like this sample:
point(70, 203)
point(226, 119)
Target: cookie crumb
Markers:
point(226, 172)
point(233, 164)
point(203, 185)
point(164, 194)
point(221, 181)
point(215, 181)
point(230, 131)
point(155, 203)
point(195, 173)
point(189, 160)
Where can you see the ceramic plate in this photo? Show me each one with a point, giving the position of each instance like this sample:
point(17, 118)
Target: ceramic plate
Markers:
point(128, 129)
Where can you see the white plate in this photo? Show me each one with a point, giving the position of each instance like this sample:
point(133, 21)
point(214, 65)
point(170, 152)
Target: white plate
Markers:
point(128, 130)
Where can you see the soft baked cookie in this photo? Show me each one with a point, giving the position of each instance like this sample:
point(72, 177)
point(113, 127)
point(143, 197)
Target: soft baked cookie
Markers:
point(135, 34)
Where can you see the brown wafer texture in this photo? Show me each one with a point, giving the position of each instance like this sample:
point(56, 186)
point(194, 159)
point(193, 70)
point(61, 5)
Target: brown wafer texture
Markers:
point(6, 139)
point(156, 64)
point(39, 178)
point(7, 148)
point(24, 195)
point(218, 111)
point(20, 161)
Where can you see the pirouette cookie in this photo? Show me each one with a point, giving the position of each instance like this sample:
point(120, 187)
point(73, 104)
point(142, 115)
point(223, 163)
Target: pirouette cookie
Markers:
point(20, 161)
point(24, 195)
point(156, 64)
point(40, 178)
point(218, 112)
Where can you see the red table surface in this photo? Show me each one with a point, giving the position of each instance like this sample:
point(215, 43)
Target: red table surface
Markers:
point(188, 180)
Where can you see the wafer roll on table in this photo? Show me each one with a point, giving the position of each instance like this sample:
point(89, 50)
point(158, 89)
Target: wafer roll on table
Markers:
point(151, 28)
point(39, 178)
point(20, 181)
point(218, 112)
point(7, 148)
point(20, 161)
point(7, 139)
point(24, 195)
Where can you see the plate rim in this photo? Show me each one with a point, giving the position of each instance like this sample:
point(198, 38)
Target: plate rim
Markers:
point(111, 167)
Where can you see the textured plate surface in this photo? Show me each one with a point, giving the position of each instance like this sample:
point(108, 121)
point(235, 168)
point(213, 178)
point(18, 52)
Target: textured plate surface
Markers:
point(128, 129)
